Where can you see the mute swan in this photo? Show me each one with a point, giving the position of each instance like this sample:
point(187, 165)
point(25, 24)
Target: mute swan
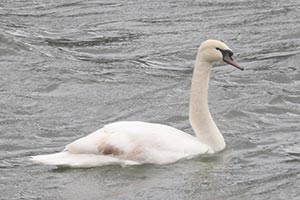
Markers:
point(135, 143)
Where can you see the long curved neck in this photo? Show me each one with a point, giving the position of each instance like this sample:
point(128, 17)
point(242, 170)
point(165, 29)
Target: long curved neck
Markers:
point(200, 117)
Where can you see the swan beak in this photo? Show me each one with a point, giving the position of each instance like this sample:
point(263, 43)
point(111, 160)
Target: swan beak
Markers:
point(228, 59)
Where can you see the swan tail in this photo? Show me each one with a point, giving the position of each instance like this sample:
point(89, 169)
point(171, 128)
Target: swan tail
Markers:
point(67, 159)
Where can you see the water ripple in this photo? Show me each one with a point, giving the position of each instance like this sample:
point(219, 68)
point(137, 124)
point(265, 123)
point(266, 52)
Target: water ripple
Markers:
point(69, 67)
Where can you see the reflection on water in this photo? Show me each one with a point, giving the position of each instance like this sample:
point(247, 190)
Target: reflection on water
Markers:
point(69, 67)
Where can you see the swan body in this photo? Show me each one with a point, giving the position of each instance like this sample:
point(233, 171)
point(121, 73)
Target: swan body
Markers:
point(128, 143)
point(135, 143)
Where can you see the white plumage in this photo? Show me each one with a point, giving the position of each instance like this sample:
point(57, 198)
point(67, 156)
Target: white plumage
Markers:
point(135, 143)
point(127, 143)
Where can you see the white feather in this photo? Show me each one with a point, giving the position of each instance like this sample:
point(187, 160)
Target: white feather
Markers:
point(134, 143)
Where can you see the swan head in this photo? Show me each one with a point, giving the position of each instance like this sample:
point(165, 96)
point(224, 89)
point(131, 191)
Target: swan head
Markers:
point(213, 51)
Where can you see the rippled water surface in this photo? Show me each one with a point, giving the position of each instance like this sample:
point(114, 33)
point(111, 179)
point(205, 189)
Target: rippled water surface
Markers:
point(69, 67)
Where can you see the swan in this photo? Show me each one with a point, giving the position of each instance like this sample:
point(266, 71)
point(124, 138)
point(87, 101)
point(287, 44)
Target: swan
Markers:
point(135, 143)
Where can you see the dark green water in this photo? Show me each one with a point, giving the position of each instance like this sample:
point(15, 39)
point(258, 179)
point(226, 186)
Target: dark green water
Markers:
point(70, 67)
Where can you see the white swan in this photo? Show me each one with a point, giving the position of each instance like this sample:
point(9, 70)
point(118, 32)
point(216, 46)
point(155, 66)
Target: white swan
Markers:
point(134, 143)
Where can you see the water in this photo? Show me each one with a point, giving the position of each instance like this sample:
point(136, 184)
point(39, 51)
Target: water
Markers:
point(69, 67)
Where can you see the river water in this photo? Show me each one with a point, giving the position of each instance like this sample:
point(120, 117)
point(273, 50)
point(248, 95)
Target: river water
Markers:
point(70, 67)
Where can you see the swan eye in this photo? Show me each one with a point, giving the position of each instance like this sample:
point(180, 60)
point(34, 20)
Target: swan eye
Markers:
point(225, 52)
point(221, 50)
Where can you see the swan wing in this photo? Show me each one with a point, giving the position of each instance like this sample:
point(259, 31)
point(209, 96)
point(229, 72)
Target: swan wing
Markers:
point(128, 143)
point(139, 141)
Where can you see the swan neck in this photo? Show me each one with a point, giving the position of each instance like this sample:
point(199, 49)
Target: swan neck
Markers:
point(200, 117)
